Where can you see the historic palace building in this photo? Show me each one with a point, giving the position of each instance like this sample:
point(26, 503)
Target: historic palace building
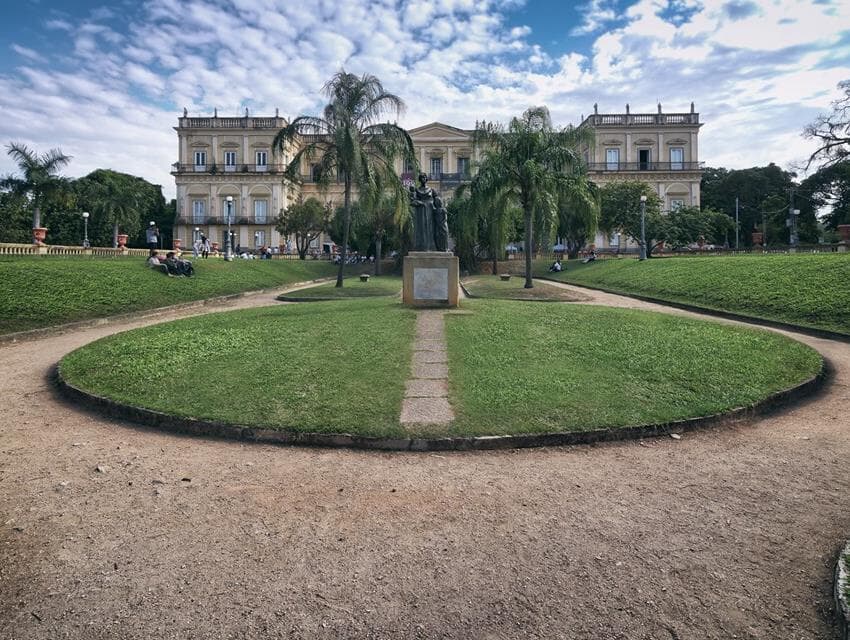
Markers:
point(226, 165)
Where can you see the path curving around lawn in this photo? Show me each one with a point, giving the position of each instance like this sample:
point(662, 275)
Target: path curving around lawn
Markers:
point(730, 531)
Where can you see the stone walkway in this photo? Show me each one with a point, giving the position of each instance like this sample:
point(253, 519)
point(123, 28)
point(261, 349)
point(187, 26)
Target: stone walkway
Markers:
point(426, 396)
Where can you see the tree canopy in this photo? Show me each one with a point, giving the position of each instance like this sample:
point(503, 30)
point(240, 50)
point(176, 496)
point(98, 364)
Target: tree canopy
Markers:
point(528, 163)
point(832, 132)
point(39, 180)
point(351, 141)
point(306, 221)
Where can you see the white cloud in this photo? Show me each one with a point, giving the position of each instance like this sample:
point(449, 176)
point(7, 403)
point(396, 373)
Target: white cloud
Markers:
point(757, 70)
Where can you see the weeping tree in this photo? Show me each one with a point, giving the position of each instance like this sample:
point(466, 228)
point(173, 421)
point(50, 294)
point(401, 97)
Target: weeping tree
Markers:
point(116, 199)
point(528, 162)
point(481, 224)
point(578, 213)
point(349, 140)
point(40, 179)
point(381, 212)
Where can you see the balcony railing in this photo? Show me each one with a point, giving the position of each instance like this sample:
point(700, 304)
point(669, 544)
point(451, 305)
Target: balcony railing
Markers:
point(641, 119)
point(644, 166)
point(250, 122)
point(211, 169)
point(216, 220)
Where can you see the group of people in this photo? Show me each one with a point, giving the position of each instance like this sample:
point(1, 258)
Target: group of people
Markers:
point(173, 265)
point(201, 247)
point(556, 266)
point(354, 258)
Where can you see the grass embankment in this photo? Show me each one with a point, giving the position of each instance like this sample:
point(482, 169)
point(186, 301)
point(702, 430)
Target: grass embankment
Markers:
point(514, 367)
point(40, 291)
point(530, 368)
point(352, 288)
point(488, 286)
point(802, 289)
point(310, 367)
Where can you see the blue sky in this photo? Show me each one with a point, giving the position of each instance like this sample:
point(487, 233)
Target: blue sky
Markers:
point(106, 81)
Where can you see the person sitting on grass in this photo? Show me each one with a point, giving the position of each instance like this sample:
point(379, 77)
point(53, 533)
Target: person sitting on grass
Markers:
point(177, 266)
point(154, 263)
point(556, 266)
point(590, 257)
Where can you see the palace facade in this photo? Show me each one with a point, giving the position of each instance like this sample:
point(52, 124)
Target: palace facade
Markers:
point(226, 165)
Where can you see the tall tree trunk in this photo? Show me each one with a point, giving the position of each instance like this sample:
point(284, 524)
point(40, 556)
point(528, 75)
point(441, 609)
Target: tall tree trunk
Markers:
point(346, 207)
point(495, 266)
point(529, 235)
point(378, 254)
point(115, 236)
point(36, 217)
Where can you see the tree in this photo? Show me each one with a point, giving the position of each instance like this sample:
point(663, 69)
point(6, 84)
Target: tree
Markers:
point(379, 214)
point(686, 225)
point(620, 211)
point(349, 140)
point(578, 214)
point(829, 188)
point(832, 132)
point(306, 221)
point(40, 178)
point(116, 199)
point(527, 163)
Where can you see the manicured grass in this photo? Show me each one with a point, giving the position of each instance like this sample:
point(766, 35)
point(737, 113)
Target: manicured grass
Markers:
point(518, 367)
point(809, 290)
point(514, 367)
point(309, 367)
point(489, 286)
point(40, 291)
point(352, 288)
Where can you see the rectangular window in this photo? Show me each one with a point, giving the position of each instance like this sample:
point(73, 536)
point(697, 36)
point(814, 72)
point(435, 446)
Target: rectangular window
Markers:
point(436, 168)
point(409, 166)
point(199, 211)
point(259, 238)
point(314, 173)
point(612, 159)
point(262, 160)
point(677, 158)
point(200, 161)
point(643, 159)
point(230, 161)
point(261, 210)
point(676, 203)
point(463, 167)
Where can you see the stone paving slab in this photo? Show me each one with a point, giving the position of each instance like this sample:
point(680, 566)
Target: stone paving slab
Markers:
point(429, 345)
point(426, 411)
point(419, 388)
point(429, 357)
point(431, 371)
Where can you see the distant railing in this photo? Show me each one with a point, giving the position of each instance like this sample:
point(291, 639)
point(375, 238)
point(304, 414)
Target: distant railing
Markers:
point(234, 220)
point(12, 249)
point(644, 166)
point(179, 167)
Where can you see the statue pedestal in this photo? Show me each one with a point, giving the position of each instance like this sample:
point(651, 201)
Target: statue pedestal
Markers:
point(430, 279)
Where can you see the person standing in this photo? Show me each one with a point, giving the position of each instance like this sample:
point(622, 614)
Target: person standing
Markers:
point(205, 246)
point(152, 237)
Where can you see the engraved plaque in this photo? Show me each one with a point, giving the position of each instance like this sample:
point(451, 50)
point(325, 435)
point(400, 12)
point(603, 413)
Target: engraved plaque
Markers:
point(430, 284)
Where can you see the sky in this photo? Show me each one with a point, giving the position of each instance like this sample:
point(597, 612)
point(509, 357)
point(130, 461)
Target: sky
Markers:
point(106, 81)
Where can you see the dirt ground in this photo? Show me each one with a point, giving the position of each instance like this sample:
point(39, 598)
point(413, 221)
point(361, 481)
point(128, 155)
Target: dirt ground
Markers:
point(108, 530)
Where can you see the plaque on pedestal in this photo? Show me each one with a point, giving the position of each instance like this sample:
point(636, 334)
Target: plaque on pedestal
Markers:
point(430, 279)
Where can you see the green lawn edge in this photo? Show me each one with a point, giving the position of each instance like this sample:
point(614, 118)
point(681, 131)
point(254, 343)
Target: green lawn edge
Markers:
point(809, 291)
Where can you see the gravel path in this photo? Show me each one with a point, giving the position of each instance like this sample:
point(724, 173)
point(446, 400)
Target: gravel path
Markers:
point(726, 533)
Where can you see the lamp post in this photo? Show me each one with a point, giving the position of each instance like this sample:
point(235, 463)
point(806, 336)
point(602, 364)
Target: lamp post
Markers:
point(228, 250)
point(86, 244)
point(643, 227)
point(794, 214)
point(618, 237)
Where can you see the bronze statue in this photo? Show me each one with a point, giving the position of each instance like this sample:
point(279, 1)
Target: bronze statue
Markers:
point(441, 225)
point(422, 205)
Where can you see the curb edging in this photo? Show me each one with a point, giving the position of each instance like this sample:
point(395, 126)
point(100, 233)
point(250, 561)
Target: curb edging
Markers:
point(841, 585)
point(729, 315)
point(218, 429)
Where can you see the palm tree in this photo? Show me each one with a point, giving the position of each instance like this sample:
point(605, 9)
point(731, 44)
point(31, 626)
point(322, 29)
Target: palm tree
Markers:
point(528, 163)
point(350, 142)
point(40, 179)
point(381, 212)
